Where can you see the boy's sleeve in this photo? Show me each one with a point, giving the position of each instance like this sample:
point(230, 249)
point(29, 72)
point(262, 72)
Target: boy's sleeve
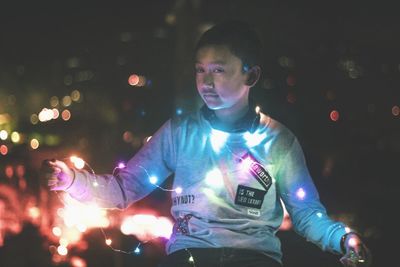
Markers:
point(302, 202)
point(132, 183)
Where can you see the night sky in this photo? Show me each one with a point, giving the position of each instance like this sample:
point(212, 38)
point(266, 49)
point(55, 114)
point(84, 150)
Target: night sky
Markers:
point(331, 73)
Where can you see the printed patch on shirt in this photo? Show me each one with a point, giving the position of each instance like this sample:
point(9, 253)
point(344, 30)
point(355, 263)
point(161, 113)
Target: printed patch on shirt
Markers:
point(258, 171)
point(182, 224)
point(254, 212)
point(249, 197)
point(185, 199)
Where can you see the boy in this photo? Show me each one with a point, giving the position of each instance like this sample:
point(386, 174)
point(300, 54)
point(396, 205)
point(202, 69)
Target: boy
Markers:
point(234, 165)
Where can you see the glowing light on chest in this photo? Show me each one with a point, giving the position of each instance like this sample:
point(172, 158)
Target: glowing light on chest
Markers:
point(254, 139)
point(214, 178)
point(218, 139)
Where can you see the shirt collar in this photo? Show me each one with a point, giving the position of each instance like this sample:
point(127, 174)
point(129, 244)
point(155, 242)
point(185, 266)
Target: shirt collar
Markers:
point(249, 122)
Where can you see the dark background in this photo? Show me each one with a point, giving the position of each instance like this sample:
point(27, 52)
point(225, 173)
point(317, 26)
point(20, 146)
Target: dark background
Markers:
point(319, 57)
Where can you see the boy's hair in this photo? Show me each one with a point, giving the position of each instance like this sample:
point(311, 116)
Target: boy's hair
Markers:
point(239, 37)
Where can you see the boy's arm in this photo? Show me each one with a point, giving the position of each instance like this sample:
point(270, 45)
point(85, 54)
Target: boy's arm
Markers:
point(301, 199)
point(130, 184)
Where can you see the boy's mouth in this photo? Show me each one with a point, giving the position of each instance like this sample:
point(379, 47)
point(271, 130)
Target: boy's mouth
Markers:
point(211, 96)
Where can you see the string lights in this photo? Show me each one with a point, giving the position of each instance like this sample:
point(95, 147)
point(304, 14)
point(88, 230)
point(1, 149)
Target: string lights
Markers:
point(80, 164)
point(213, 179)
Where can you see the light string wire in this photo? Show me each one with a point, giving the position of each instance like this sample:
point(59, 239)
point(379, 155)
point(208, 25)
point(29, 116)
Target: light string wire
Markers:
point(136, 250)
point(140, 244)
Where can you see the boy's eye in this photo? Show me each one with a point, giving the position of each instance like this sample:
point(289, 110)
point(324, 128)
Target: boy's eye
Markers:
point(199, 70)
point(218, 70)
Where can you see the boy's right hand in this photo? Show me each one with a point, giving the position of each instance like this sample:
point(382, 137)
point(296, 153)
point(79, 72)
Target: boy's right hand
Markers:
point(58, 175)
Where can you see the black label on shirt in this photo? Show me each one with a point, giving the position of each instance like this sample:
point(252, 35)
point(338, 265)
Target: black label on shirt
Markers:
point(258, 172)
point(249, 197)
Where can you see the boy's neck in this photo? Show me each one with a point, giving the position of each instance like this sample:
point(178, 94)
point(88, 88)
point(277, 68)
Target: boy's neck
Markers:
point(231, 115)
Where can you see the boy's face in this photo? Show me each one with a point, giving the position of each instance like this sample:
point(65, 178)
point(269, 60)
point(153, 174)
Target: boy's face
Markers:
point(219, 78)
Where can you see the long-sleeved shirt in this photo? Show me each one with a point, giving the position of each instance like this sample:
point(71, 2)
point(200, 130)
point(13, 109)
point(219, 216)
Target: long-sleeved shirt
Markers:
point(233, 185)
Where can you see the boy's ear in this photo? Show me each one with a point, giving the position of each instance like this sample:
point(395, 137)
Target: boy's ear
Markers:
point(253, 74)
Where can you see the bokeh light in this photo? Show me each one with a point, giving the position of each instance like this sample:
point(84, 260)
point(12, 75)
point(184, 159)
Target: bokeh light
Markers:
point(146, 227)
point(34, 119)
point(57, 231)
point(34, 143)
point(9, 171)
point(334, 115)
point(3, 150)
point(75, 96)
point(63, 251)
point(133, 80)
point(66, 101)
point(77, 262)
point(137, 80)
point(396, 111)
point(66, 115)
point(54, 102)
point(15, 137)
point(3, 134)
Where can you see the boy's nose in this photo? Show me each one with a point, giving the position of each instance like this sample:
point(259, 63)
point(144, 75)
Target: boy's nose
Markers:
point(208, 80)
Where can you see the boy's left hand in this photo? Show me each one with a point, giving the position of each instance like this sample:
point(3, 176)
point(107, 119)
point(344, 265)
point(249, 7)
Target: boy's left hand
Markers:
point(357, 254)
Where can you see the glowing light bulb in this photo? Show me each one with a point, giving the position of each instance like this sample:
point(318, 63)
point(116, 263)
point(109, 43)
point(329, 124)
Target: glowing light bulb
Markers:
point(153, 180)
point(78, 162)
point(178, 190)
point(353, 242)
point(179, 111)
point(218, 139)
point(254, 139)
point(108, 241)
point(121, 165)
point(246, 163)
point(137, 250)
point(300, 193)
point(214, 178)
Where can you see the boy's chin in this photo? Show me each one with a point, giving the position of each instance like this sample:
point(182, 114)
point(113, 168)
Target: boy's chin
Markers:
point(213, 107)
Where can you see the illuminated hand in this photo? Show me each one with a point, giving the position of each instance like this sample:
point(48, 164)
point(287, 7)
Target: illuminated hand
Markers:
point(357, 254)
point(58, 175)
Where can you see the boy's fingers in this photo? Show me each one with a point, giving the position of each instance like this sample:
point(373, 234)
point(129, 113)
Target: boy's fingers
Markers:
point(52, 182)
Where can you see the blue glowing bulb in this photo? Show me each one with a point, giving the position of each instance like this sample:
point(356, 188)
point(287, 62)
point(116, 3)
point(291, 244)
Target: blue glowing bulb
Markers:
point(179, 111)
point(178, 190)
point(300, 193)
point(137, 250)
point(153, 180)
